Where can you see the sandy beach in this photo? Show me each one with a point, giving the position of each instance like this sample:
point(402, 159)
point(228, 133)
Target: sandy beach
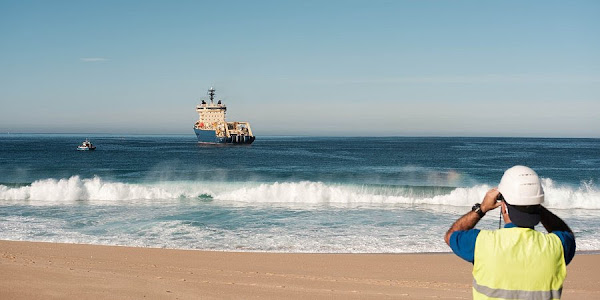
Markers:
point(31, 270)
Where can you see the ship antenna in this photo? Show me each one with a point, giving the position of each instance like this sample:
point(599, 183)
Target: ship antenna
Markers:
point(211, 93)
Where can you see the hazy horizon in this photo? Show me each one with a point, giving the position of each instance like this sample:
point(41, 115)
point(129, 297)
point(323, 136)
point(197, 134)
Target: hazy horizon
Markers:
point(338, 68)
point(192, 136)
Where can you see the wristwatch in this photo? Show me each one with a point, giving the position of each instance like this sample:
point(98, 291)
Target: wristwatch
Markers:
point(477, 208)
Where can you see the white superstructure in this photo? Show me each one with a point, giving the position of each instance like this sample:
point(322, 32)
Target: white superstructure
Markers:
point(211, 116)
point(211, 124)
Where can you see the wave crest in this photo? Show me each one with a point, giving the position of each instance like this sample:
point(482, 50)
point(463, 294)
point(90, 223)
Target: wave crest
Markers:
point(587, 195)
point(75, 188)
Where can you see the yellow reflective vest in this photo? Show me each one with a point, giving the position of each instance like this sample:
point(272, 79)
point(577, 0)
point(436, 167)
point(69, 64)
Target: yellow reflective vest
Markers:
point(518, 263)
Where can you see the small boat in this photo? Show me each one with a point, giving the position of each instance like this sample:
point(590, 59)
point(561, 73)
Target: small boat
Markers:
point(86, 146)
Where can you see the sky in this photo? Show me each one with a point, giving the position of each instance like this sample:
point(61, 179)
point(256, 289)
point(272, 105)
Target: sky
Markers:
point(322, 68)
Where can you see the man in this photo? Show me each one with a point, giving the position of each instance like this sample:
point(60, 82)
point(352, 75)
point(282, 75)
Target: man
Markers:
point(516, 262)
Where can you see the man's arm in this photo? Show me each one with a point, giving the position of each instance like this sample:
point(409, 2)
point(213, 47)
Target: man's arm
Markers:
point(470, 219)
point(556, 225)
point(552, 222)
point(466, 222)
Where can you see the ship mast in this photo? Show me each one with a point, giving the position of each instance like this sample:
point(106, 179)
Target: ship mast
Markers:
point(211, 93)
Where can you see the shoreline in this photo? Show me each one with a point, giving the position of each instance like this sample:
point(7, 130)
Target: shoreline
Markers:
point(42, 270)
point(577, 252)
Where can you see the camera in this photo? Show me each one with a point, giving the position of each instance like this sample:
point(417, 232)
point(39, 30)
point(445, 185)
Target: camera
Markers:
point(499, 197)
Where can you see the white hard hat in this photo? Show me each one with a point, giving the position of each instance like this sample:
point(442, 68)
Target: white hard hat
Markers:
point(521, 186)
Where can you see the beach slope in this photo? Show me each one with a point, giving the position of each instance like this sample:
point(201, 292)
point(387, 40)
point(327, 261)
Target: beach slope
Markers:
point(32, 270)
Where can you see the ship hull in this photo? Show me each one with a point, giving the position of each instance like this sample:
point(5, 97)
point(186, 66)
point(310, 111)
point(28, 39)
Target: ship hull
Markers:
point(210, 137)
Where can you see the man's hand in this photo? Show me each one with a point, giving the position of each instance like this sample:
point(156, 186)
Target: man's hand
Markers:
point(470, 219)
point(489, 201)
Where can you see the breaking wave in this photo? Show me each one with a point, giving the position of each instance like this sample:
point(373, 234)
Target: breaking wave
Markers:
point(586, 195)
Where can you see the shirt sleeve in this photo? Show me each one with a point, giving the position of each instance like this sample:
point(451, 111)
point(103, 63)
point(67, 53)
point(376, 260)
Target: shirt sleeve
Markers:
point(462, 243)
point(568, 242)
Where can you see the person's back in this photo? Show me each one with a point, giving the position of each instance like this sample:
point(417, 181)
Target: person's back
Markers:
point(516, 262)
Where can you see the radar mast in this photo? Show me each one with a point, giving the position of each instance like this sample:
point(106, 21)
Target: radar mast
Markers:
point(211, 93)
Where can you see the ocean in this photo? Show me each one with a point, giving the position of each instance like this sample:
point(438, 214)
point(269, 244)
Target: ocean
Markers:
point(280, 194)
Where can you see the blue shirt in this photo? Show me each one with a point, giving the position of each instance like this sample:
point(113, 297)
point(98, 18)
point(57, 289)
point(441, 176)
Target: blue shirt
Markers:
point(462, 243)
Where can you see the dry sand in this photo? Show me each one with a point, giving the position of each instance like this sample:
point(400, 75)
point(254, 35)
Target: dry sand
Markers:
point(31, 270)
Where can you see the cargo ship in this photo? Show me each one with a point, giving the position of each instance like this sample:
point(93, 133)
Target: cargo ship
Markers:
point(211, 127)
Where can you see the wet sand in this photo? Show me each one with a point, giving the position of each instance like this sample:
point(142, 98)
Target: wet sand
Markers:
point(31, 270)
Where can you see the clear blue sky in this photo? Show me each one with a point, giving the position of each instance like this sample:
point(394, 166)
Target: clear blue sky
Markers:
point(447, 68)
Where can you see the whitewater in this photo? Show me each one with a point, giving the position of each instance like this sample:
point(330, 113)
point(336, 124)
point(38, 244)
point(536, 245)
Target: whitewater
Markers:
point(310, 194)
point(282, 194)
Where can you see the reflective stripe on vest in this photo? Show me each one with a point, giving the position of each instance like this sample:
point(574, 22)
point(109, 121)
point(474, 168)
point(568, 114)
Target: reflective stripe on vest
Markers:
point(515, 294)
point(518, 263)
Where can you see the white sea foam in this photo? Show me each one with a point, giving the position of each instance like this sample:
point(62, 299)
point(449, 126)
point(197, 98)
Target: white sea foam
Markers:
point(75, 188)
point(180, 235)
point(97, 190)
point(390, 227)
point(321, 193)
point(587, 195)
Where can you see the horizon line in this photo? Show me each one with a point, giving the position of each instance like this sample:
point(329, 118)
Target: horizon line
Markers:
point(304, 135)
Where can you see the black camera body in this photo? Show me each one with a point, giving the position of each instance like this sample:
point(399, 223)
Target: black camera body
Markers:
point(499, 197)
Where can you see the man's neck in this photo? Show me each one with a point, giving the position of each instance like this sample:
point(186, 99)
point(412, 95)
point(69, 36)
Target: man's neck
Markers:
point(512, 225)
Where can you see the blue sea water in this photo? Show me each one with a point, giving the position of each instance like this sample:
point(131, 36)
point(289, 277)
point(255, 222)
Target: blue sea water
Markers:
point(280, 194)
